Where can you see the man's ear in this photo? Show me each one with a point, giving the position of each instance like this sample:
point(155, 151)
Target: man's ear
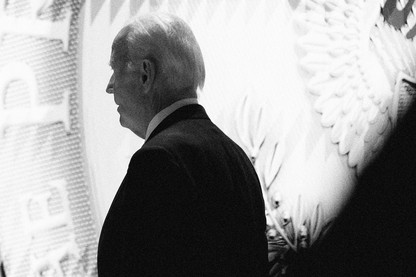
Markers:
point(147, 74)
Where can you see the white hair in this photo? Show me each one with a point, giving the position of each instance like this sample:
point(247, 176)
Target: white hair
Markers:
point(169, 43)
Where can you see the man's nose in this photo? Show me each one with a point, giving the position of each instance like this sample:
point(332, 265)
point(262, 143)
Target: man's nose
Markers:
point(110, 86)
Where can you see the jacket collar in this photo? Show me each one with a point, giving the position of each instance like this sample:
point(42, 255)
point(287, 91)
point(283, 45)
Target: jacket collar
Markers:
point(158, 118)
point(192, 111)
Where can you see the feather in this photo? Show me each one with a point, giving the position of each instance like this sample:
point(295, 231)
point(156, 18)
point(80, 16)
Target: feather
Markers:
point(349, 72)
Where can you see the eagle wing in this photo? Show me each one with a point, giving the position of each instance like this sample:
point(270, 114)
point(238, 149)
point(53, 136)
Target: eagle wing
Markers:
point(350, 59)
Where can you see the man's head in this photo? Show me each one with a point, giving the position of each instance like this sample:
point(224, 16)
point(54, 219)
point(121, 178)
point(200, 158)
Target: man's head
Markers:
point(156, 61)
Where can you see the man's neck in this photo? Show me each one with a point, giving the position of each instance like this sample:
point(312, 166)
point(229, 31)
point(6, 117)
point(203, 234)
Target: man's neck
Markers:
point(160, 116)
point(164, 98)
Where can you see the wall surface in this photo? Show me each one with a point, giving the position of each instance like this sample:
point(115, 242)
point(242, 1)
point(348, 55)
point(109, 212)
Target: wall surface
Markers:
point(48, 225)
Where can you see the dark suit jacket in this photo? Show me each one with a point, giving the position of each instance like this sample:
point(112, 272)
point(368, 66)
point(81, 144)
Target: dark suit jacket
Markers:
point(189, 205)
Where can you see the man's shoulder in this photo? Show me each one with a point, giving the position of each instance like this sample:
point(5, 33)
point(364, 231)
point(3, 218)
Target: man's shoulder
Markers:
point(176, 135)
point(148, 153)
point(191, 134)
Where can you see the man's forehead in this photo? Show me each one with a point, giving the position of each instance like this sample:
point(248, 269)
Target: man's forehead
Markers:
point(111, 62)
point(115, 47)
point(118, 51)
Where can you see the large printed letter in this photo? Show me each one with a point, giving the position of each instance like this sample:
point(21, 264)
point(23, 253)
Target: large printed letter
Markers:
point(36, 113)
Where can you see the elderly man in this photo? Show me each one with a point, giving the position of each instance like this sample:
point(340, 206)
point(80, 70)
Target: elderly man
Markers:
point(190, 203)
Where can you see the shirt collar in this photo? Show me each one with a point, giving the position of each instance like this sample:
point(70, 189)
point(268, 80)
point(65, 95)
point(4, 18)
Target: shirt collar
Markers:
point(158, 118)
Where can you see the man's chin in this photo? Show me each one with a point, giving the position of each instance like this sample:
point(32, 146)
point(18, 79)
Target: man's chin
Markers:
point(131, 127)
point(122, 122)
